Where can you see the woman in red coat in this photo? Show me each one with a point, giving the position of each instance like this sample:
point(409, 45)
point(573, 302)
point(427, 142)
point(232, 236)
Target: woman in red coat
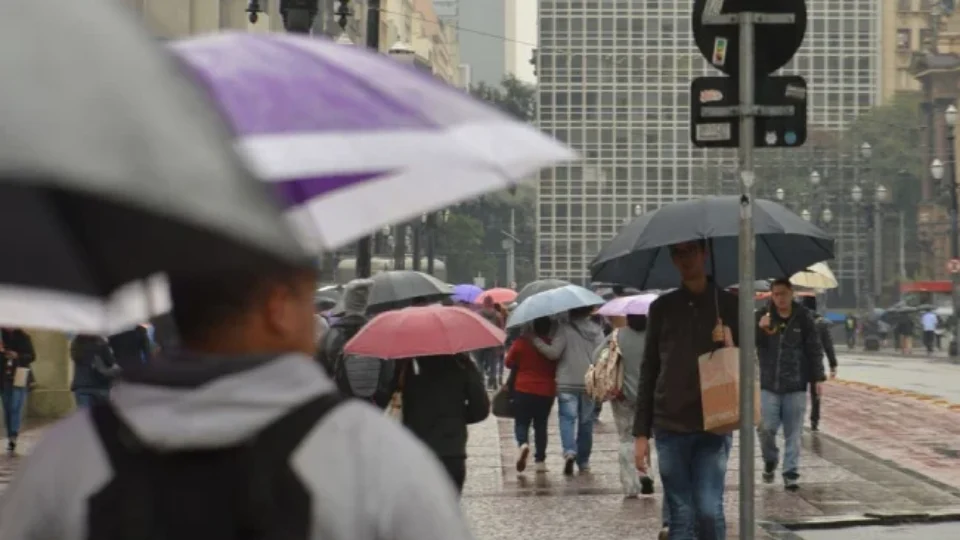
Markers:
point(535, 389)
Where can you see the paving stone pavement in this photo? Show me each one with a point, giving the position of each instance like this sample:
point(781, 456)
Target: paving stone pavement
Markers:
point(838, 480)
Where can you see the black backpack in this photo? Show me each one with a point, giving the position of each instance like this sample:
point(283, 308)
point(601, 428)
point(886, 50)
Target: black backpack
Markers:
point(366, 378)
point(245, 492)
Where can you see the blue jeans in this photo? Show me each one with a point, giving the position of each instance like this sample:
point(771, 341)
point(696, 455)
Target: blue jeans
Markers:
point(13, 399)
point(575, 411)
point(693, 467)
point(532, 409)
point(788, 410)
point(88, 398)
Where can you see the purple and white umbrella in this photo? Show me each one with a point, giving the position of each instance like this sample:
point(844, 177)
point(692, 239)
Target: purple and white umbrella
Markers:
point(638, 304)
point(354, 140)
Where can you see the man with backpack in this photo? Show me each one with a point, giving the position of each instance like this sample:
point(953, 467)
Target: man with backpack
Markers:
point(238, 434)
point(370, 379)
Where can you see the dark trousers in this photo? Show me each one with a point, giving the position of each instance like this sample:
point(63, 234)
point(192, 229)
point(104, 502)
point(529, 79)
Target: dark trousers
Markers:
point(532, 409)
point(457, 470)
point(814, 406)
point(929, 339)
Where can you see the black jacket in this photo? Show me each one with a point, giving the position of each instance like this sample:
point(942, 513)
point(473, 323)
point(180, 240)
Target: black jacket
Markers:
point(791, 357)
point(679, 329)
point(18, 341)
point(94, 366)
point(826, 340)
point(440, 399)
point(131, 348)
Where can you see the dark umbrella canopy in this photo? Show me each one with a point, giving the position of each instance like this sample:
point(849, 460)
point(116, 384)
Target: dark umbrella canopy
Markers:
point(539, 286)
point(639, 256)
point(401, 288)
point(113, 167)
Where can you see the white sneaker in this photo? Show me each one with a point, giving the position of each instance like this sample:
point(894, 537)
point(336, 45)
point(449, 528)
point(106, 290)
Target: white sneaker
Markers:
point(522, 457)
point(541, 467)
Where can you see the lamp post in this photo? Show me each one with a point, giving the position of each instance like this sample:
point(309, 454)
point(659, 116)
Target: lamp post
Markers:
point(856, 194)
point(415, 235)
point(405, 54)
point(950, 118)
point(805, 214)
point(826, 216)
point(780, 194)
point(432, 219)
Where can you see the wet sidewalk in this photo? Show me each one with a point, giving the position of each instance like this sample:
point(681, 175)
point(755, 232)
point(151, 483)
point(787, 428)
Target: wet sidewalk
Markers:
point(841, 484)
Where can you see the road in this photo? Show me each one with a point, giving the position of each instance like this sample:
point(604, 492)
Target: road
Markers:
point(936, 376)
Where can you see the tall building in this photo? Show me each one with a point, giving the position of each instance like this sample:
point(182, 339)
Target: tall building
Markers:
point(614, 80)
point(481, 27)
point(521, 39)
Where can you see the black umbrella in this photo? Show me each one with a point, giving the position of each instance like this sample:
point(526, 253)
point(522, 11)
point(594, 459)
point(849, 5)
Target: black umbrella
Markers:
point(539, 286)
point(639, 254)
point(397, 289)
point(113, 168)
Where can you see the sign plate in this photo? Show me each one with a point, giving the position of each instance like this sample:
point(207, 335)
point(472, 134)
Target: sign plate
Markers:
point(781, 123)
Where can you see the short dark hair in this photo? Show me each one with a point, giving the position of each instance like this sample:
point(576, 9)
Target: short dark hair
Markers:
point(781, 281)
point(202, 304)
point(637, 323)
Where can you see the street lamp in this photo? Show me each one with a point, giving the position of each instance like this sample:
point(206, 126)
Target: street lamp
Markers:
point(856, 194)
point(950, 115)
point(780, 194)
point(826, 216)
point(866, 150)
point(950, 118)
point(881, 194)
point(815, 179)
point(936, 169)
point(805, 214)
point(637, 210)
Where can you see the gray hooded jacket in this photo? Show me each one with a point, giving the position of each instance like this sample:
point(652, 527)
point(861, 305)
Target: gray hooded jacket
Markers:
point(369, 479)
point(572, 348)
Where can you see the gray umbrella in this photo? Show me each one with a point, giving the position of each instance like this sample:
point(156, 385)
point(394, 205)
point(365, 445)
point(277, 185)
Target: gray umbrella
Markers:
point(639, 254)
point(401, 288)
point(113, 167)
point(539, 286)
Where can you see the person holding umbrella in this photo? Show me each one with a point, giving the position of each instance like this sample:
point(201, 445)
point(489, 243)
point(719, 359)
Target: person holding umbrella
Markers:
point(572, 348)
point(534, 390)
point(682, 325)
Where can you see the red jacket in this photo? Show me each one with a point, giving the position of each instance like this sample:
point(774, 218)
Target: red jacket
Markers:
point(536, 374)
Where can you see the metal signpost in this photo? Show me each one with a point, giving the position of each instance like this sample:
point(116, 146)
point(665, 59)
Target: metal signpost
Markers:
point(747, 40)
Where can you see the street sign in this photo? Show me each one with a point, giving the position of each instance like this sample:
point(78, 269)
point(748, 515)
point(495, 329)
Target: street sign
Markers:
point(775, 43)
point(781, 120)
point(953, 266)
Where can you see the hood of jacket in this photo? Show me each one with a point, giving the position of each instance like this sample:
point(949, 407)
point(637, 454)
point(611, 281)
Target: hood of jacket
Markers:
point(188, 401)
point(580, 338)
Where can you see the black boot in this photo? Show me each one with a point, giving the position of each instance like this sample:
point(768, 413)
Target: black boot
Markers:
point(769, 468)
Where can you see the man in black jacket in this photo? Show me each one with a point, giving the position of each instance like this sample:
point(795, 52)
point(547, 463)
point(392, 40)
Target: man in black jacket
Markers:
point(791, 358)
point(16, 355)
point(826, 340)
point(131, 348)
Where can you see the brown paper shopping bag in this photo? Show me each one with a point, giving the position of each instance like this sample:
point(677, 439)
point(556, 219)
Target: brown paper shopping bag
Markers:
point(720, 391)
point(20, 377)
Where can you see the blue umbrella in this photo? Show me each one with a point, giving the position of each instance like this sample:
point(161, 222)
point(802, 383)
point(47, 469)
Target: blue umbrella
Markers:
point(553, 302)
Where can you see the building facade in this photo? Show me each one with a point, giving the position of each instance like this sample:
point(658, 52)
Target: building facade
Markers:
point(520, 39)
point(614, 80)
point(480, 27)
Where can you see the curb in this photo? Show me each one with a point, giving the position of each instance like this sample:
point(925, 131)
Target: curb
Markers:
point(926, 398)
point(884, 519)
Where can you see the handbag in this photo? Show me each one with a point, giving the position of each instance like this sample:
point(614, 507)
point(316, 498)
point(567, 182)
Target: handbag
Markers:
point(502, 405)
point(394, 408)
point(21, 376)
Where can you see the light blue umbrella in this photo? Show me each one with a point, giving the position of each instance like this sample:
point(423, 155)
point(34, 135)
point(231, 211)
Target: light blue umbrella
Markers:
point(553, 302)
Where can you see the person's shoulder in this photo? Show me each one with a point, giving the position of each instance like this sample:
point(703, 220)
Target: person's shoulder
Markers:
point(664, 300)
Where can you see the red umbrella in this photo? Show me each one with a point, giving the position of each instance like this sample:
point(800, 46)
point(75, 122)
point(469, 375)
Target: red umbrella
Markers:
point(424, 331)
point(500, 295)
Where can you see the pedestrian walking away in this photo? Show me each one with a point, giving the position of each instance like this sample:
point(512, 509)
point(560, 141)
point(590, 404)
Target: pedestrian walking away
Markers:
point(791, 358)
point(906, 327)
point(441, 396)
point(826, 341)
point(238, 430)
point(930, 321)
point(630, 337)
point(94, 370)
point(572, 348)
point(683, 324)
point(534, 390)
point(490, 359)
